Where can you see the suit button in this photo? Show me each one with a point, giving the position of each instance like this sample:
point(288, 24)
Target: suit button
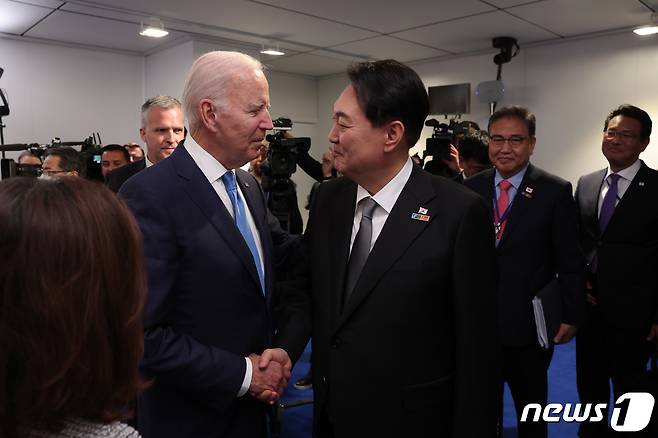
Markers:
point(336, 343)
point(324, 379)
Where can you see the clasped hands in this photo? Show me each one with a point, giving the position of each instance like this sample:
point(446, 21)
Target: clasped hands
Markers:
point(270, 373)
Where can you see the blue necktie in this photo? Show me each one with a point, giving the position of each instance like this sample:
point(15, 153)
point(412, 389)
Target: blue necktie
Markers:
point(241, 221)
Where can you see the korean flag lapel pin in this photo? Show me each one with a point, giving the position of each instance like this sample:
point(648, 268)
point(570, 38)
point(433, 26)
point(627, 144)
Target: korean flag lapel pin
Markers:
point(640, 183)
point(421, 215)
point(528, 192)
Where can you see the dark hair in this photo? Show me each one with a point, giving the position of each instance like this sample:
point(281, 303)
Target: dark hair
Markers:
point(632, 112)
point(27, 153)
point(71, 321)
point(475, 146)
point(388, 90)
point(517, 112)
point(69, 158)
point(117, 148)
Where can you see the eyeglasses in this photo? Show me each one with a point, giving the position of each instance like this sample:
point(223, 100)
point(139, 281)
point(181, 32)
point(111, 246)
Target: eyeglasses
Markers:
point(52, 172)
point(514, 140)
point(623, 135)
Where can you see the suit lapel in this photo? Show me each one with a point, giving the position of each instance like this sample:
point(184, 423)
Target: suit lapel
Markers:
point(399, 231)
point(340, 233)
point(204, 196)
point(631, 201)
point(590, 194)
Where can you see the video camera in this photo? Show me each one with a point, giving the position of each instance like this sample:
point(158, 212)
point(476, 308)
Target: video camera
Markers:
point(281, 160)
point(443, 136)
point(89, 159)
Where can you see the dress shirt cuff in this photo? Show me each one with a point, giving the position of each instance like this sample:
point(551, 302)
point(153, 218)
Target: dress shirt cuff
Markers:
point(246, 383)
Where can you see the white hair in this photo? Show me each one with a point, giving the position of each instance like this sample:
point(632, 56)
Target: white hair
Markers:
point(210, 78)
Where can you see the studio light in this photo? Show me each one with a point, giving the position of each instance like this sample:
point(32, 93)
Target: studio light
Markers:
point(153, 28)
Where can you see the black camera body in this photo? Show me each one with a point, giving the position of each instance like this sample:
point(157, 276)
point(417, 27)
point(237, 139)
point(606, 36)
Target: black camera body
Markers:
point(281, 160)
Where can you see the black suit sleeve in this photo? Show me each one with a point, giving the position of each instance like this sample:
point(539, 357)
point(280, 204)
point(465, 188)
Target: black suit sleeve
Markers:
point(474, 291)
point(310, 165)
point(568, 256)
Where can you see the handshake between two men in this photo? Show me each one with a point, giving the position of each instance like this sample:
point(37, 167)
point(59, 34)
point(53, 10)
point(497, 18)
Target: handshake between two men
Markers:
point(270, 374)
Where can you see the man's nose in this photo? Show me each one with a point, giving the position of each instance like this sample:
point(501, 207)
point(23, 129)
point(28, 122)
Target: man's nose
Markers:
point(333, 136)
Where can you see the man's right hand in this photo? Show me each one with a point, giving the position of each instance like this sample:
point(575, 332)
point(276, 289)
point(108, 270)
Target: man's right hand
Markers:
point(268, 383)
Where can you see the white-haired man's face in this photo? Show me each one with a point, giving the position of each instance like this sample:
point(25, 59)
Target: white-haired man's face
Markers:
point(241, 123)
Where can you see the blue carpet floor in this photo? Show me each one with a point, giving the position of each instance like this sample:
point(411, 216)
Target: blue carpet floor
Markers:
point(296, 422)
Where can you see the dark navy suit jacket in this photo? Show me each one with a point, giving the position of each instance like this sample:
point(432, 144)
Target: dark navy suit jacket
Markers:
point(205, 309)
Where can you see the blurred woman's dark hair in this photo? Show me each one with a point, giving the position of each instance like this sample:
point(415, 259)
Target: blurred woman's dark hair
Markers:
point(71, 300)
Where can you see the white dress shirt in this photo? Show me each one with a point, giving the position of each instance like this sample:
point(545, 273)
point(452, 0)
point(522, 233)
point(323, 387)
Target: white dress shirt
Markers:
point(213, 170)
point(623, 183)
point(385, 198)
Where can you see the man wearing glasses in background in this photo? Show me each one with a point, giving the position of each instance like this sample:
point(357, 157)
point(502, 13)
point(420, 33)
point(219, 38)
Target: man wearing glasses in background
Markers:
point(60, 161)
point(535, 222)
point(618, 213)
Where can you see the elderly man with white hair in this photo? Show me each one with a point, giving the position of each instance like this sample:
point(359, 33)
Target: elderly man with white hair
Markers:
point(209, 243)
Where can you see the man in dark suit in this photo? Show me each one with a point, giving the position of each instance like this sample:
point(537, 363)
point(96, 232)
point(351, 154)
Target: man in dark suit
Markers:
point(400, 326)
point(618, 212)
point(209, 253)
point(537, 241)
point(162, 129)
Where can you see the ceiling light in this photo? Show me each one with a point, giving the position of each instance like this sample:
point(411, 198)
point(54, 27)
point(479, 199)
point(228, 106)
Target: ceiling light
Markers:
point(272, 50)
point(649, 29)
point(153, 28)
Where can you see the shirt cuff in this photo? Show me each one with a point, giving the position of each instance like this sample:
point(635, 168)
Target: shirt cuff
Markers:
point(246, 383)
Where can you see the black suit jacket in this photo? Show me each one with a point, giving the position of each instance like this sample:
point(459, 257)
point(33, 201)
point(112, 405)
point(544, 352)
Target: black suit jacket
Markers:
point(115, 179)
point(627, 274)
point(205, 309)
point(540, 242)
point(411, 353)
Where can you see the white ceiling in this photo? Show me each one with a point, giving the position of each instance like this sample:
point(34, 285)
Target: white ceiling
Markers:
point(322, 37)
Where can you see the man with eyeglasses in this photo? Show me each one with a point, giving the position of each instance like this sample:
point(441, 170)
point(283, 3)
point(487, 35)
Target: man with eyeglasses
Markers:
point(60, 161)
point(618, 216)
point(535, 223)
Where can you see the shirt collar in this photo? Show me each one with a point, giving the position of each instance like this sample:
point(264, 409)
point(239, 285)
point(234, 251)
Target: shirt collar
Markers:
point(515, 179)
point(628, 173)
point(210, 167)
point(388, 194)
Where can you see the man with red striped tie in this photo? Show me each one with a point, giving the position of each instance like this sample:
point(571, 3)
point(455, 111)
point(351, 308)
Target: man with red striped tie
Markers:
point(535, 222)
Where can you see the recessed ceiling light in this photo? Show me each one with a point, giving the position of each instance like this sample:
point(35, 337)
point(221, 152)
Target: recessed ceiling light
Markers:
point(272, 50)
point(648, 29)
point(153, 28)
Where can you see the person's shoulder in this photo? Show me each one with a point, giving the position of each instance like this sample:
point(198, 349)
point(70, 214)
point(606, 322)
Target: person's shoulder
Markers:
point(75, 428)
point(540, 175)
point(447, 189)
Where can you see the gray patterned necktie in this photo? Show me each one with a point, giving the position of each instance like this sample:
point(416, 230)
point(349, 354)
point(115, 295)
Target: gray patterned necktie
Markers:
point(360, 248)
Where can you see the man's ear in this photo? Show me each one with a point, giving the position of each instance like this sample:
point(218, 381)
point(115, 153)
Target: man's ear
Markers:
point(394, 135)
point(208, 114)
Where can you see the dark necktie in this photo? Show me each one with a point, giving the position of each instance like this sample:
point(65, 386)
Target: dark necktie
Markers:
point(241, 221)
point(609, 202)
point(607, 210)
point(360, 248)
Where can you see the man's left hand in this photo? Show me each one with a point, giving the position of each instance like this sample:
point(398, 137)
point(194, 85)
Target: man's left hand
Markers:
point(453, 162)
point(565, 333)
